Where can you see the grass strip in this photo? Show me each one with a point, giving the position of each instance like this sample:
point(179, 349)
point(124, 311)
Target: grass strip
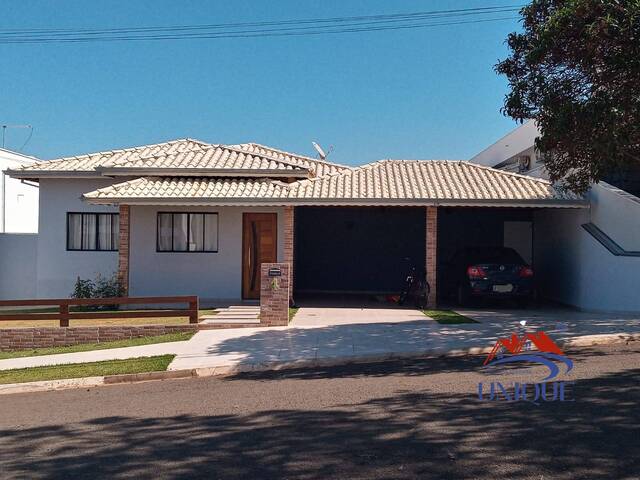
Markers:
point(178, 320)
point(205, 311)
point(448, 317)
point(292, 313)
point(87, 347)
point(93, 369)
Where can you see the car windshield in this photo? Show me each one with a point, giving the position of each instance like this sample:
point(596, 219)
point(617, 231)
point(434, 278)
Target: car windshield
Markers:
point(492, 255)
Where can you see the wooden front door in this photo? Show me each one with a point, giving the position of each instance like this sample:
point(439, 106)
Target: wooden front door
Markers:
point(259, 241)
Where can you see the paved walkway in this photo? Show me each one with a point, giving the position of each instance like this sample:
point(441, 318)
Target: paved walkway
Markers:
point(331, 333)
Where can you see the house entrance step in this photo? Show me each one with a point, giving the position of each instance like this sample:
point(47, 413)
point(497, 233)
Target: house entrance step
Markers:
point(238, 312)
point(235, 314)
point(214, 320)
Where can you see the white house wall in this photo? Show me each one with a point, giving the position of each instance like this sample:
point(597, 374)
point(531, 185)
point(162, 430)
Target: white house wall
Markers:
point(18, 200)
point(211, 276)
point(574, 268)
point(18, 265)
point(58, 268)
point(616, 213)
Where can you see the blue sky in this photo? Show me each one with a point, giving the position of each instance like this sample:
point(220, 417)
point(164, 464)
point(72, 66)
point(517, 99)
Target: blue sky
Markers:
point(425, 93)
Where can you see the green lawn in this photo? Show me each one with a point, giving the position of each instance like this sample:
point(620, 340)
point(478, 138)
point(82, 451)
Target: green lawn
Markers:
point(132, 342)
point(92, 323)
point(448, 317)
point(79, 370)
point(292, 313)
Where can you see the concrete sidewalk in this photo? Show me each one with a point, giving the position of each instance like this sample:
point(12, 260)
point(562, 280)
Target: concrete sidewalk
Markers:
point(326, 334)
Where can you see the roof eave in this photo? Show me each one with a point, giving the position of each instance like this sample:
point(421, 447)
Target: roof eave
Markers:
point(538, 203)
point(202, 172)
point(37, 174)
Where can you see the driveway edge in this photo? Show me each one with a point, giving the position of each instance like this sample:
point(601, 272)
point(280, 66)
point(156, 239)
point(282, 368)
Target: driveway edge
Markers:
point(227, 370)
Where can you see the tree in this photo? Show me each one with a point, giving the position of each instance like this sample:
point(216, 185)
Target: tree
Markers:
point(575, 69)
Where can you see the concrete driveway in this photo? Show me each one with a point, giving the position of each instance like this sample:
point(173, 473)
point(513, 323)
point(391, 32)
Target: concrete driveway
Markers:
point(325, 333)
point(554, 320)
point(328, 316)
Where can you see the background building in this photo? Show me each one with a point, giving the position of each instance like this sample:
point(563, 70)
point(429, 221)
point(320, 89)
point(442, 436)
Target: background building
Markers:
point(18, 199)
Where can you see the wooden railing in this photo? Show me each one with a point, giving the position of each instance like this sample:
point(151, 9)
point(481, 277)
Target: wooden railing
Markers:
point(64, 313)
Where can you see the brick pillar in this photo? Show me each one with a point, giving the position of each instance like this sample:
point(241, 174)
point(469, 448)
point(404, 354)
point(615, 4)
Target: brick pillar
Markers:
point(275, 290)
point(123, 249)
point(289, 228)
point(432, 252)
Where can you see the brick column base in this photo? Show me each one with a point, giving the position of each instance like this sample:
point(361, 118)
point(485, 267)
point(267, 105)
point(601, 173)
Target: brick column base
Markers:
point(275, 291)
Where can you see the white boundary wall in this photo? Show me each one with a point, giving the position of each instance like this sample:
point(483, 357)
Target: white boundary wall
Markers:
point(18, 265)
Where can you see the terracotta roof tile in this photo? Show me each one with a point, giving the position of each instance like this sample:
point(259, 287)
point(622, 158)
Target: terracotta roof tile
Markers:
point(319, 167)
point(384, 182)
point(191, 188)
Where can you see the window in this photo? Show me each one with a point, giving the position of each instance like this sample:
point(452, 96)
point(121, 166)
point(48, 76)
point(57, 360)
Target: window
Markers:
point(93, 231)
point(187, 232)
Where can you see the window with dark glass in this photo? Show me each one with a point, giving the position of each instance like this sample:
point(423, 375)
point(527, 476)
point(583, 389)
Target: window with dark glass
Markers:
point(92, 231)
point(187, 232)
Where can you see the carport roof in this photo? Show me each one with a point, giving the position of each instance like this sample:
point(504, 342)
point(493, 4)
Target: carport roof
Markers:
point(387, 182)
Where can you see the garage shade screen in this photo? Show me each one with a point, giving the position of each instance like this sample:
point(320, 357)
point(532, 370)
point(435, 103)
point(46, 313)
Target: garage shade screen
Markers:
point(357, 249)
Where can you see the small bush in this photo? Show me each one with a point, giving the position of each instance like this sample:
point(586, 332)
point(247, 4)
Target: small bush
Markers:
point(108, 287)
point(100, 287)
point(83, 289)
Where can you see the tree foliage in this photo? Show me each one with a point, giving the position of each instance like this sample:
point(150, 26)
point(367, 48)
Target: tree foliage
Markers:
point(575, 69)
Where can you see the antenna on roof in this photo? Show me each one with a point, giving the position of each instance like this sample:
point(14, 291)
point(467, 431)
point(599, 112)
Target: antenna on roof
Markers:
point(4, 132)
point(321, 152)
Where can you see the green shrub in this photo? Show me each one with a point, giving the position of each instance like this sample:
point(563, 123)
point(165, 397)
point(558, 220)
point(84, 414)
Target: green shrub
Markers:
point(83, 289)
point(108, 287)
point(100, 287)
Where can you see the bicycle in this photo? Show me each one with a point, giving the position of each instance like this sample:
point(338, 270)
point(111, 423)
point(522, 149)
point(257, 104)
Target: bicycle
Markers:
point(416, 285)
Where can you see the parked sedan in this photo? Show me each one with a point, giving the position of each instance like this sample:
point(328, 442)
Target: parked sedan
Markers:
point(492, 272)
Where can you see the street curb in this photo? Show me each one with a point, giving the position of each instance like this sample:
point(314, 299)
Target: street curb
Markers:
point(144, 377)
point(228, 370)
point(51, 385)
point(601, 339)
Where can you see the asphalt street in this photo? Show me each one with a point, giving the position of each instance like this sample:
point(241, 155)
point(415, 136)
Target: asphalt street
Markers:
point(404, 419)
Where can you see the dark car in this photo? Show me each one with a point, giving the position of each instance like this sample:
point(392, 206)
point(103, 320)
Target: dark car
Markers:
point(491, 272)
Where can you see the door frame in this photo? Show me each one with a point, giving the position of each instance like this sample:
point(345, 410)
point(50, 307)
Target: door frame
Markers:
point(243, 263)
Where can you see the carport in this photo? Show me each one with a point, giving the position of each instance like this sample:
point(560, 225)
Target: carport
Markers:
point(461, 227)
point(351, 232)
point(357, 249)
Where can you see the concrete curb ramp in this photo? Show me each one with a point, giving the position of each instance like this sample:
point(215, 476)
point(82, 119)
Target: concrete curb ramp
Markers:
point(226, 370)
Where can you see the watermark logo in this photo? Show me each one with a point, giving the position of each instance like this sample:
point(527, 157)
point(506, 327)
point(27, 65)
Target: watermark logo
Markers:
point(520, 349)
point(548, 353)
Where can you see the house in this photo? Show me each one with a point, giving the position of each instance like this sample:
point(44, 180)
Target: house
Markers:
point(189, 217)
point(18, 227)
point(589, 258)
point(18, 199)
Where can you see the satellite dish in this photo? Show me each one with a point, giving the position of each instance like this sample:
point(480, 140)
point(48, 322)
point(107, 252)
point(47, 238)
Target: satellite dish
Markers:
point(320, 151)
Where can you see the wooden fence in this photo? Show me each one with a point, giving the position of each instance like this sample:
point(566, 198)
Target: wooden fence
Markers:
point(64, 313)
